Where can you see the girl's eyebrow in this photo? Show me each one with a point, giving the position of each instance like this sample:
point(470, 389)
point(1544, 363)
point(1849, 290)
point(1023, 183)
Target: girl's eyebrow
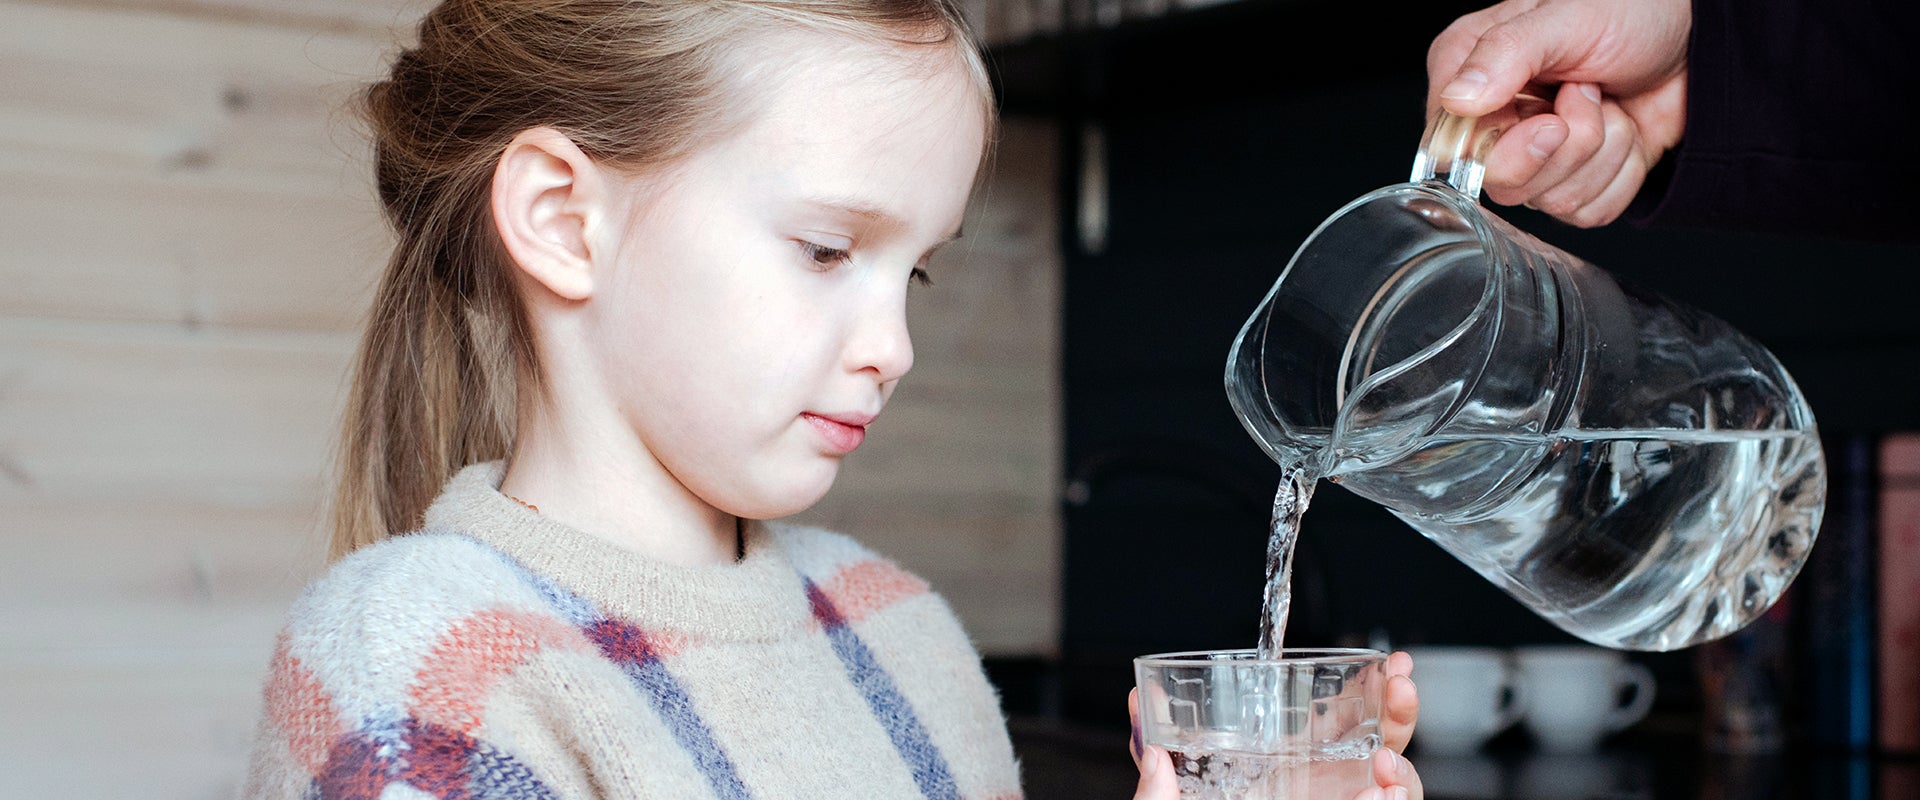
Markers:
point(870, 212)
point(854, 207)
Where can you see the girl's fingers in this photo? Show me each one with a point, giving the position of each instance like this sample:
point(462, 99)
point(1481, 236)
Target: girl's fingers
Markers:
point(1135, 746)
point(1400, 703)
point(1401, 710)
point(1156, 768)
point(1156, 777)
point(1399, 663)
point(1397, 778)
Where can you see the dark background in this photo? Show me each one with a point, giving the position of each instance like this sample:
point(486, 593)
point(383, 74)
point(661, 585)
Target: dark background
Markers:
point(1231, 133)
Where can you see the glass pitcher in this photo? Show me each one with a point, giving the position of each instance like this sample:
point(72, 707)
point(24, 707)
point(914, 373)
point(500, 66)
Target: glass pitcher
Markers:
point(1634, 470)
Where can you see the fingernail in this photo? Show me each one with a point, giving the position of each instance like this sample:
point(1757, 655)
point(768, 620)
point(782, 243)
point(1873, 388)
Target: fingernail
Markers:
point(1591, 91)
point(1399, 764)
point(1466, 86)
point(1546, 140)
point(1373, 793)
point(1400, 793)
point(1148, 766)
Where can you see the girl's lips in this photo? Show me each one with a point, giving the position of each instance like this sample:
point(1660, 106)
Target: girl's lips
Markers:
point(842, 433)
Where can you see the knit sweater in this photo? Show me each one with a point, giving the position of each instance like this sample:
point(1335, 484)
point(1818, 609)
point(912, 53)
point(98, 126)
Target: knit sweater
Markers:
point(499, 654)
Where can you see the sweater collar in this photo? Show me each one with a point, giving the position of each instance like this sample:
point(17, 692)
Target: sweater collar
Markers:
point(757, 598)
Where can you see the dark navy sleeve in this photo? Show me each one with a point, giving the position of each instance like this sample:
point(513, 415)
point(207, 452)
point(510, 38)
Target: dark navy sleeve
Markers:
point(1803, 117)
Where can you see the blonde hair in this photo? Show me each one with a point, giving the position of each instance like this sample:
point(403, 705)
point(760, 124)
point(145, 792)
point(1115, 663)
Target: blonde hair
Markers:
point(633, 83)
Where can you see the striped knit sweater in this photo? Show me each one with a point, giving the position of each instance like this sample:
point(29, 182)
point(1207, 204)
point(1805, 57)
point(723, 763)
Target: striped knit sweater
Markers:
point(499, 654)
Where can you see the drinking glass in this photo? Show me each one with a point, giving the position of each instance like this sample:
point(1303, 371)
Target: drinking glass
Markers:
point(1240, 727)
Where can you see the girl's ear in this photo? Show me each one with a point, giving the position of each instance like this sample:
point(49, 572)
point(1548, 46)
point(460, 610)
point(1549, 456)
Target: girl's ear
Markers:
point(547, 198)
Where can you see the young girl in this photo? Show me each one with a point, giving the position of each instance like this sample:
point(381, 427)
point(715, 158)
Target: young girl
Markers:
point(649, 290)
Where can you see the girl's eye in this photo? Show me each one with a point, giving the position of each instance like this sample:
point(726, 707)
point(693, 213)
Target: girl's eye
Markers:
point(921, 278)
point(822, 255)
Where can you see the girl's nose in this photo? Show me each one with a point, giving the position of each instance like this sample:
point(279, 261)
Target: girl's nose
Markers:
point(880, 344)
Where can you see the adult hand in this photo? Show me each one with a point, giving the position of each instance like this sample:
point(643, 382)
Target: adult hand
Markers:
point(1621, 71)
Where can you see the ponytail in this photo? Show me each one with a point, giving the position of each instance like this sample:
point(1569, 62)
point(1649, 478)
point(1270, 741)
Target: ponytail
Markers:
point(437, 375)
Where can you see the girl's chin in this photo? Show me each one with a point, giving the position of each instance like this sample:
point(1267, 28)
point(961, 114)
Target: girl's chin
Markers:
point(783, 500)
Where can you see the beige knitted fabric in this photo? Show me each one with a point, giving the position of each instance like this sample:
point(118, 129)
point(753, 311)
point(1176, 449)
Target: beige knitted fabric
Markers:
point(499, 654)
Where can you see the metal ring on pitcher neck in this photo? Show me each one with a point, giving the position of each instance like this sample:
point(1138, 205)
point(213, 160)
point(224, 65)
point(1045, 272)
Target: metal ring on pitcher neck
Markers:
point(1454, 149)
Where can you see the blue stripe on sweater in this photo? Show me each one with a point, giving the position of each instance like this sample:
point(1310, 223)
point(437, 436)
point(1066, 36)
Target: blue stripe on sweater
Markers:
point(627, 646)
point(889, 706)
point(494, 775)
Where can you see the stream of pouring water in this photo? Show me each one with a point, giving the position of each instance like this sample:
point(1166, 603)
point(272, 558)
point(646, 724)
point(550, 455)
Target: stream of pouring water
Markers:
point(1289, 503)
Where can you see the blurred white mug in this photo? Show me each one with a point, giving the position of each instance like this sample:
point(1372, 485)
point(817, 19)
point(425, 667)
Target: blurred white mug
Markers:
point(1579, 694)
point(1467, 694)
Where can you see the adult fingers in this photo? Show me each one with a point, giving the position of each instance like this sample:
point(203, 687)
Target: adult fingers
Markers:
point(1451, 47)
point(1508, 55)
point(1613, 201)
point(1520, 155)
point(1573, 200)
point(1543, 151)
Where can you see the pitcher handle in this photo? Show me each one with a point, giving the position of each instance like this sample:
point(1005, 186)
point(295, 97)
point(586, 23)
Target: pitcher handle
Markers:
point(1454, 149)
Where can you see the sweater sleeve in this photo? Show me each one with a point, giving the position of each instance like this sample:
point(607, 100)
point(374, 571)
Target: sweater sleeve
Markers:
point(1801, 118)
point(399, 676)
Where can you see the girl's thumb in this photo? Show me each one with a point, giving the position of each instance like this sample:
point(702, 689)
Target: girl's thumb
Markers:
point(1156, 776)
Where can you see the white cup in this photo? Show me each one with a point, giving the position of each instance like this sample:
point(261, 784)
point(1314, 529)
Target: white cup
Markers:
point(1579, 694)
point(1467, 694)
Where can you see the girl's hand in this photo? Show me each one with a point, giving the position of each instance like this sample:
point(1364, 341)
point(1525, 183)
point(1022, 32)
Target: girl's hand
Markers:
point(1401, 708)
point(1396, 776)
point(1401, 703)
point(1156, 767)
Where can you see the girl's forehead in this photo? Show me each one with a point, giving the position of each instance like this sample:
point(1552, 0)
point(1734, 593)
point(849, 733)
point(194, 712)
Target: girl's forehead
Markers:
point(844, 116)
point(865, 95)
point(804, 65)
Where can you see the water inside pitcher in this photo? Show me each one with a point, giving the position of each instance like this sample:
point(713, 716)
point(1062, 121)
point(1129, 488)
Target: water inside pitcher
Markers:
point(1634, 470)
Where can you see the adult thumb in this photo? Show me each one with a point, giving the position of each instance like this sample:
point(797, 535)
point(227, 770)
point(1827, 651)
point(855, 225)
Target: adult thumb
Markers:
point(1510, 54)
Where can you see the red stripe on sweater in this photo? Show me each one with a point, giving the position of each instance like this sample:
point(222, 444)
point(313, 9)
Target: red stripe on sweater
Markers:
point(452, 686)
point(864, 587)
point(298, 705)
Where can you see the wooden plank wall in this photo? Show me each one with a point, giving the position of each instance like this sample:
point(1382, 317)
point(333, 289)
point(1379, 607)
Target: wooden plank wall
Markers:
point(190, 240)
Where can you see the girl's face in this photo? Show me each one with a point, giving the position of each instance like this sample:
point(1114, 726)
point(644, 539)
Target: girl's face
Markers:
point(755, 320)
